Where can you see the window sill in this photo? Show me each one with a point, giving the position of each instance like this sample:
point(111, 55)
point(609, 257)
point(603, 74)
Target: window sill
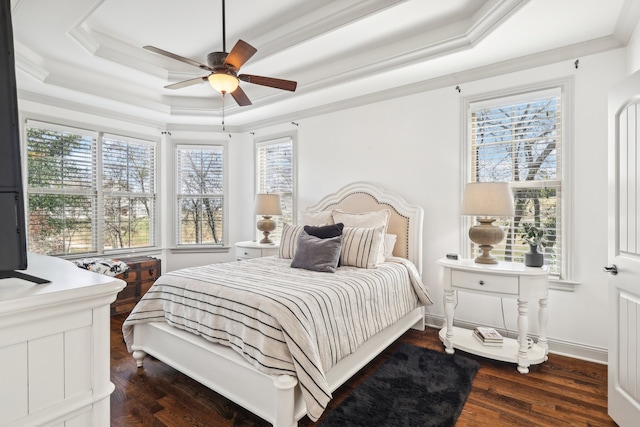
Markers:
point(116, 254)
point(562, 285)
point(199, 249)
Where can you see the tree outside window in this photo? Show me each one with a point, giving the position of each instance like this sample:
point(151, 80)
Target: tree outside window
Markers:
point(200, 198)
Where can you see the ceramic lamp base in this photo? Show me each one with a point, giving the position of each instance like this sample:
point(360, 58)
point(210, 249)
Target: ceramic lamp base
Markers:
point(485, 256)
point(486, 235)
point(266, 225)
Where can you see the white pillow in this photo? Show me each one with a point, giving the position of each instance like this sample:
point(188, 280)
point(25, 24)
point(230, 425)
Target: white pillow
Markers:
point(365, 220)
point(316, 218)
point(289, 240)
point(360, 246)
point(389, 244)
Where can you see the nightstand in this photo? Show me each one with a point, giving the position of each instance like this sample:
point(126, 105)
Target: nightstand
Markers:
point(504, 280)
point(251, 249)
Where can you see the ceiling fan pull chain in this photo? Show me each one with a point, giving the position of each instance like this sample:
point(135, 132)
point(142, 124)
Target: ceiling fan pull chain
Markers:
point(223, 94)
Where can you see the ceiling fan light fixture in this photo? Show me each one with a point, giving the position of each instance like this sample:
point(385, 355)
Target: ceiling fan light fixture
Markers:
point(223, 82)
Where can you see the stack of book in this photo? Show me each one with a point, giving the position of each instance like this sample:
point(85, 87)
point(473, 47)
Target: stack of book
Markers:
point(488, 336)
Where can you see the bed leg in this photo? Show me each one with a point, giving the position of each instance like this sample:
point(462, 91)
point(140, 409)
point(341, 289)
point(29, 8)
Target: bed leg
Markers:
point(139, 356)
point(420, 324)
point(286, 401)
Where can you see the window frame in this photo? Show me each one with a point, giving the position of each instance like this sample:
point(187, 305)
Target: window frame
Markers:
point(152, 194)
point(566, 182)
point(273, 140)
point(218, 146)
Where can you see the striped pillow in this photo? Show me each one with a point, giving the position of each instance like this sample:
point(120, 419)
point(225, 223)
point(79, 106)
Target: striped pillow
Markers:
point(365, 219)
point(289, 240)
point(360, 246)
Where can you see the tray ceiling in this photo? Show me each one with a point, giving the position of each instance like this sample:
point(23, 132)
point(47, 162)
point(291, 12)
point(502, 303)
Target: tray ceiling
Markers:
point(88, 55)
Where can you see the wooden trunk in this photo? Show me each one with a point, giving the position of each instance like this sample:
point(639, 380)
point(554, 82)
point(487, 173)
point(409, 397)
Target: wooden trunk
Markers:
point(142, 272)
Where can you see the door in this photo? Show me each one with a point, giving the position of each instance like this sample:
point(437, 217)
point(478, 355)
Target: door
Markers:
point(624, 251)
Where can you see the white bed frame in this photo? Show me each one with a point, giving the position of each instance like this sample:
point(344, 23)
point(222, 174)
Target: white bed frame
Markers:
point(277, 399)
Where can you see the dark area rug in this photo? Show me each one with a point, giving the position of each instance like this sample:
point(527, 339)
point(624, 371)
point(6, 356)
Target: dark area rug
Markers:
point(415, 387)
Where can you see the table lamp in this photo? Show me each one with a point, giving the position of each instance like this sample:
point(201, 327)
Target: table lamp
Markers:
point(485, 199)
point(267, 205)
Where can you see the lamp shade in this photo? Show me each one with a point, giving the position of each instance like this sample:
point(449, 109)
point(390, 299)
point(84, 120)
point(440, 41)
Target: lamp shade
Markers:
point(267, 204)
point(487, 199)
point(223, 82)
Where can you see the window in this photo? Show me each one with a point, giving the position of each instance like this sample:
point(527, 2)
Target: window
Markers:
point(83, 202)
point(128, 185)
point(62, 200)
point(519, 139)
point(275, 174)
point(200, 192)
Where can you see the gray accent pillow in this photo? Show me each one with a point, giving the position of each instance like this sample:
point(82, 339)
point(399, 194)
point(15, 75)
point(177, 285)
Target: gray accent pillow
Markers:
point(316, 254)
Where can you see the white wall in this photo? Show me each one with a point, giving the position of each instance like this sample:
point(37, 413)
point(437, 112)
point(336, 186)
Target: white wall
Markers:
point(412, 145)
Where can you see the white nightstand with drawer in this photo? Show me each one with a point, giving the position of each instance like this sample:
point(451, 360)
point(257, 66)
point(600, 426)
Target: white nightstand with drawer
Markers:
point(251, 249)
point(505, 280)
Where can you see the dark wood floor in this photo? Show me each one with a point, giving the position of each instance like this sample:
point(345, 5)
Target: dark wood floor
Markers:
point(560, 392)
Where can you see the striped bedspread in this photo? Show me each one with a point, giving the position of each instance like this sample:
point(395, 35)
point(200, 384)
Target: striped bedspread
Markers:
point(284, 320)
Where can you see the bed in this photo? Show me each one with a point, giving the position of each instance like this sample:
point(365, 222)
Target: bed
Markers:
point(282, 388)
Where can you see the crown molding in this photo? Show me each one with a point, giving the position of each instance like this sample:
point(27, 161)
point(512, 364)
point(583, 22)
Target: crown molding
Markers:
point(29, 62)
point(52, 101)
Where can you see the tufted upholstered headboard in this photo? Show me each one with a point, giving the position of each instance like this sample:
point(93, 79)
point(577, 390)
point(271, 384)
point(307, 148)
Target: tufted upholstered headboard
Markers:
point(405, 220)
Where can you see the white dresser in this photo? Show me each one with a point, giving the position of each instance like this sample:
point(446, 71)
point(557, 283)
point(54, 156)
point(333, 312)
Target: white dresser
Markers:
point(55, 346)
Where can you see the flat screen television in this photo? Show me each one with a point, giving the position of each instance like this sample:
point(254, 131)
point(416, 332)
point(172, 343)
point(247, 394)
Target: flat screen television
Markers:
point(13, 236)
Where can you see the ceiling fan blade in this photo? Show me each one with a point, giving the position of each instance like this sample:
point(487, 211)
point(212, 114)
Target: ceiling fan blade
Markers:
point(241, 98)
point(186, 83)
point(177, 57)
point(240, 54)
point(269, 81)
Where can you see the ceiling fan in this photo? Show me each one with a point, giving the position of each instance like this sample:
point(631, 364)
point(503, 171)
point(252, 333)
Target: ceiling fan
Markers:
point(224, 67)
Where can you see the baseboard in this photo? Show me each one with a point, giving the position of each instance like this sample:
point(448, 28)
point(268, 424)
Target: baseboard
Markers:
point(560, 347)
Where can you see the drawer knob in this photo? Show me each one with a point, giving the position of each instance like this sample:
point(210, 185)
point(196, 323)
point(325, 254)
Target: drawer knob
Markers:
point(481, 282)
point(246, 253)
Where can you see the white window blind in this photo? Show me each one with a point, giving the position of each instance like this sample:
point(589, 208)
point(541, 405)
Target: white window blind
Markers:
point(88, 194)
point(128, 185)
point(61, 189)
point(519, 140)
point(275, 174)
point(200, 194)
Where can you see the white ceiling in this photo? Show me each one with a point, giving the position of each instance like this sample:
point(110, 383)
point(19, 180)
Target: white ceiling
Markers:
point(88, 55)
